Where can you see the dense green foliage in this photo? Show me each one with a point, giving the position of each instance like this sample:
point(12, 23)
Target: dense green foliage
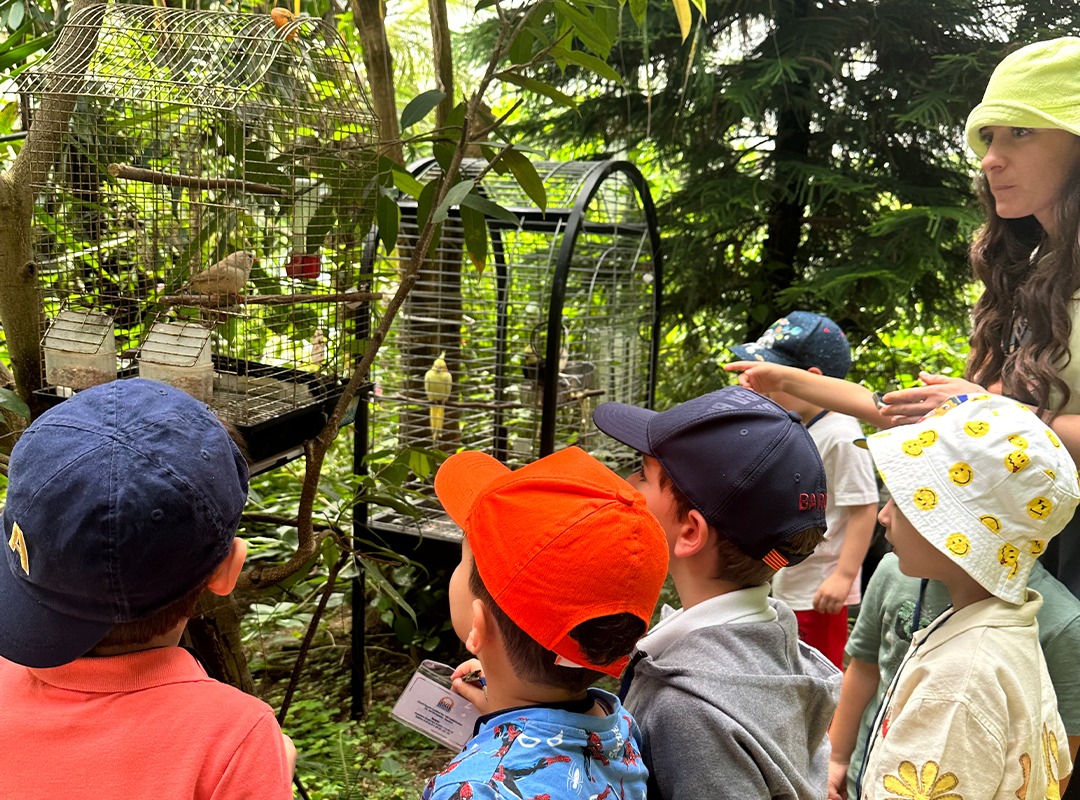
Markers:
point(805, 155)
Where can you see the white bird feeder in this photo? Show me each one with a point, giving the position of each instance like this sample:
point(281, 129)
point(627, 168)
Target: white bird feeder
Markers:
point(178, 353)
point(80, 350)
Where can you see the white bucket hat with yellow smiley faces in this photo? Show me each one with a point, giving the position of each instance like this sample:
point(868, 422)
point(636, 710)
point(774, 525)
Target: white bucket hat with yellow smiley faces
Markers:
point(984, 481)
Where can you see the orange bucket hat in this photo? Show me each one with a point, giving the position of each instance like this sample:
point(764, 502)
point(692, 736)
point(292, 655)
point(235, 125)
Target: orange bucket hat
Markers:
point(557, 543)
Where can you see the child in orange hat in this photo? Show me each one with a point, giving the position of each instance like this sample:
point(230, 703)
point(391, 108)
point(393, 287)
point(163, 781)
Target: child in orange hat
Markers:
point(544, 624)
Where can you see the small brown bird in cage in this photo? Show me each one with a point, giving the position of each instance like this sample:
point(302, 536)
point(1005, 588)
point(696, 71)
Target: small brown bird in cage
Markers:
point(228, 276)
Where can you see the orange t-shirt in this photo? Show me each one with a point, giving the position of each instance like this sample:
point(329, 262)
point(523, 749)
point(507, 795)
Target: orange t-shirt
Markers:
point(150, 724)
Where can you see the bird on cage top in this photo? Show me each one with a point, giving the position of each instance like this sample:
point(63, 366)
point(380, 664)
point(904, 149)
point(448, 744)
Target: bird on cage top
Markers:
point(281, 18)
point(226, 277)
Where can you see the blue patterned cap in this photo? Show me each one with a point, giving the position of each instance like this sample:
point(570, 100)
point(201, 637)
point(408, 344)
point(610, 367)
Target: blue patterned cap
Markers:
point(802, 339)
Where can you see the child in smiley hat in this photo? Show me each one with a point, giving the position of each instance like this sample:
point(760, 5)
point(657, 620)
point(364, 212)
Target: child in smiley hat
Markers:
point(979, 487)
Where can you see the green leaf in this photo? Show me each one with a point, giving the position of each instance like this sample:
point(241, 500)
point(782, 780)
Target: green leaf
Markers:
point(388, 214)
point(453, 197)
point(419, 463)
point(591, 63)
point(474, 227)
point(490, 209)
point(16, 14)
point(400, 178)
point(533, 85)
point(13, 403)
point(527, 177)
point(443, 150)
point(637, 11)
point(420, 106)
point(424, 204)
point(682, 13)
point(521, 49)
point(377, 579)
point(588, 32)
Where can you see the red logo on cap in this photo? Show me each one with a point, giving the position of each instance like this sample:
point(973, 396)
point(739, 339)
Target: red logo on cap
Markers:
point(810, 500)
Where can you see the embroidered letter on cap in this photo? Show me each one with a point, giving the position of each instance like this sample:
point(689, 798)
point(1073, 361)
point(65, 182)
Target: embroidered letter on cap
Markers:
point(17, 543)
point(812, 500)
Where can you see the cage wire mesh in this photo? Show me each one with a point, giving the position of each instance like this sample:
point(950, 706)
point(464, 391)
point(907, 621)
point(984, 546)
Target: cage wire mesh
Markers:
point(217, 171)
point(565, 316)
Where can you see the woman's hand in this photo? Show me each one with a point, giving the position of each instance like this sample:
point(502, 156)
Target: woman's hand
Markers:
point(910, 405)
point(472, 690)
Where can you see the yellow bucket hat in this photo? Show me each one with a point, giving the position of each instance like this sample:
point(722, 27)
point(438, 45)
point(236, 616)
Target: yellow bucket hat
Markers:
point(985, 482)
point(1038, 86)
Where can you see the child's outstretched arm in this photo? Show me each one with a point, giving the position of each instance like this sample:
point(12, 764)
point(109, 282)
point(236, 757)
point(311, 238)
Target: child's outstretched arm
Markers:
point(856, 692)
point(834, 394)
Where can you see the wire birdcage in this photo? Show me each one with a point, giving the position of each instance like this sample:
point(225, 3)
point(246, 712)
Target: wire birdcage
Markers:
point(565, 316)
point(199, 140)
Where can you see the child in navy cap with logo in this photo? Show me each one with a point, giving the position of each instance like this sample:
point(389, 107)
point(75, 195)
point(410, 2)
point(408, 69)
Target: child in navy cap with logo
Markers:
point(820, 589)
point(978, 489)
point(730, 702)
point(122, 506)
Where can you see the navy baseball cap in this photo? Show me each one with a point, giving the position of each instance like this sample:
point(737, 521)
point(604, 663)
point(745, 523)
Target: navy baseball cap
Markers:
point(745, 463)
point(801, 339)
point(120, 500)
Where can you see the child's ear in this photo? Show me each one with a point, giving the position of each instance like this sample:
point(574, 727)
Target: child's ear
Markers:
point(814, 370)
point(224, 577)
point(693, 536)
point(481, 629)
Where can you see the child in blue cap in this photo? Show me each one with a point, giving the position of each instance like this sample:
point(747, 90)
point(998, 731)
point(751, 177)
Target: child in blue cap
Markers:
point(122, 507)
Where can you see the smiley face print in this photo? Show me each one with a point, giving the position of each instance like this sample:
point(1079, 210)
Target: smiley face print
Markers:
point(961, 473)
point(976, 428)
point(991, 522)
point(1036, 547)
point(912, 447)
point(924, 499)
point(1008, 556)
point(1017, 460)
point(957, 544)
point(1039, 508)
point(1018, 441)
point(927, 438)
point(1054, 440)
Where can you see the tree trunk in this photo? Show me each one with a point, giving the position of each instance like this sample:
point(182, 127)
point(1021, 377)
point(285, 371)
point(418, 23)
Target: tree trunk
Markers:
point(214, 633)
point(786, 215)
point(380, 73)
point(21, 310)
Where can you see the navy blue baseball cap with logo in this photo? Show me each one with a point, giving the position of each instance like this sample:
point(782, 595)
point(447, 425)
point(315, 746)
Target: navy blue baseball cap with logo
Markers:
point(745, 463)
point(121, 500)
point(801, 339)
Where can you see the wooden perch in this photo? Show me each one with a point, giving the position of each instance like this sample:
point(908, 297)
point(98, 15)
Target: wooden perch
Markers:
point(219, 300)
point(130, 173)
point(573, 395)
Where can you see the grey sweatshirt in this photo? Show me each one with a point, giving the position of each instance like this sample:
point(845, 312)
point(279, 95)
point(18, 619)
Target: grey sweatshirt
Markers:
point(736, 711)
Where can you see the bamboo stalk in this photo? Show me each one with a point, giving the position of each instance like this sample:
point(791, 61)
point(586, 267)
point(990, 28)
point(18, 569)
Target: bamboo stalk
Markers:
point(130, 173)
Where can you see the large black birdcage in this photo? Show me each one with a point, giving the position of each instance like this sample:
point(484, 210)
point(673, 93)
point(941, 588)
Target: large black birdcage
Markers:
point(564, 316)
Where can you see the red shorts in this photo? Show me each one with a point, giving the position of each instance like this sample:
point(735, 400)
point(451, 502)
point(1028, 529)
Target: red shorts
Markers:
point(827, 632)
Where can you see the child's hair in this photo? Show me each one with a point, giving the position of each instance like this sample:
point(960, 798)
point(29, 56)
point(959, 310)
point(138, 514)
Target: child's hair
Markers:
point(604, 640)
point(735, 565)
point(141, 631)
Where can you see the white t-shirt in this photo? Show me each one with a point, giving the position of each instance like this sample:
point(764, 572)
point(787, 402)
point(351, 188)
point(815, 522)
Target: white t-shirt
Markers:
point(849, 477)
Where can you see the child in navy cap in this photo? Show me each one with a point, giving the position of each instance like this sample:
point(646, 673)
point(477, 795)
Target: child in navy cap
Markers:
point(122, 507)
point(730, 702)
